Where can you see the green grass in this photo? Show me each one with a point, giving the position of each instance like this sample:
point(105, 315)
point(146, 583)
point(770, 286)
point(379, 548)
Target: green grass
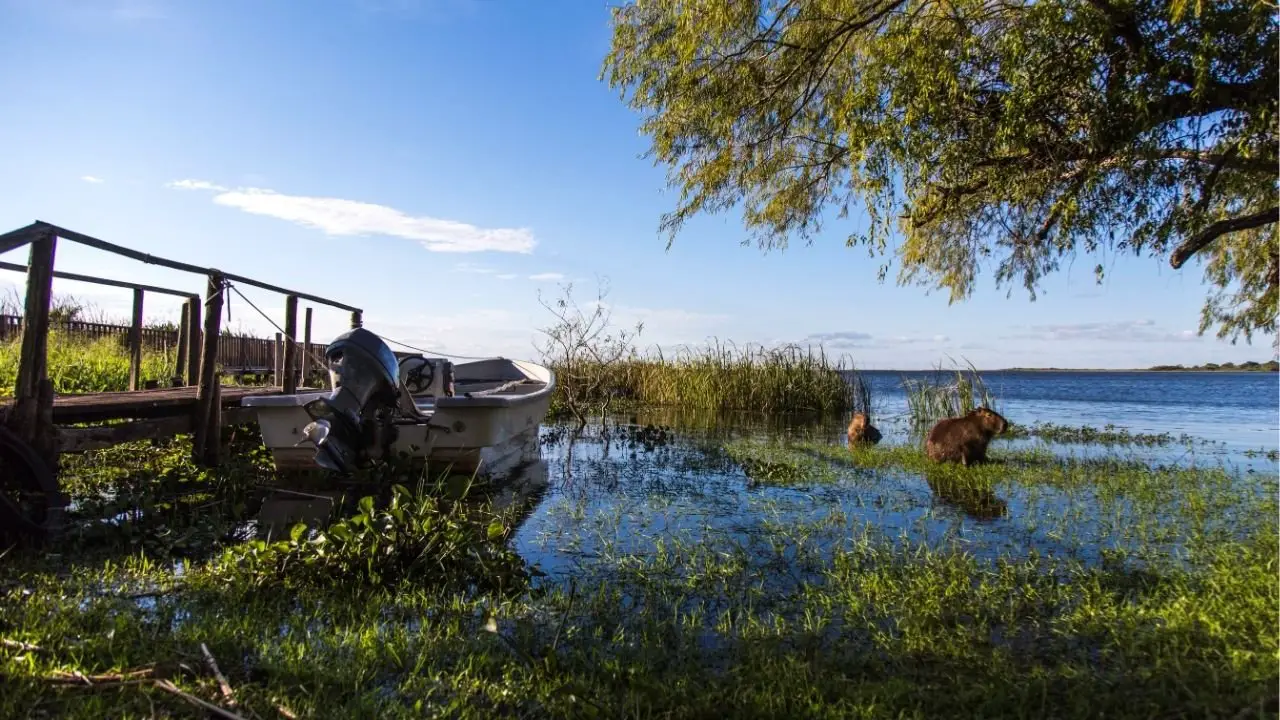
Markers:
point(82, 366)
point(410, 608)
point(723, 377)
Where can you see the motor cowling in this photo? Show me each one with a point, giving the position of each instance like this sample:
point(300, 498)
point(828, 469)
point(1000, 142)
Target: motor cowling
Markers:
point(355, 417)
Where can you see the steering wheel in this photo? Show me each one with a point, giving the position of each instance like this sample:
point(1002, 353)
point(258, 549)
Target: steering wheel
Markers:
point(416, 374)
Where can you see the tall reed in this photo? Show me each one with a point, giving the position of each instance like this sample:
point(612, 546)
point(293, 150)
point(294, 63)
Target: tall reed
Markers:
point(949, 393)
point(722, 376)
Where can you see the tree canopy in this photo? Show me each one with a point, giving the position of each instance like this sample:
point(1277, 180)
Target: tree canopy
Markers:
point(975, 134)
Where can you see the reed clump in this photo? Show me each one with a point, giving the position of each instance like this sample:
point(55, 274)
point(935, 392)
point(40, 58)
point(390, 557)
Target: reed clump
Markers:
point(723, 377)
point(948, 393)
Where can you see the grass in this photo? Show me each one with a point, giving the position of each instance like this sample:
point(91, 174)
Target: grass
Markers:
point(723, 377)
point(833, 615)
point(949, 393)
point(805, 620)
point(83, 366)
point(694, 576)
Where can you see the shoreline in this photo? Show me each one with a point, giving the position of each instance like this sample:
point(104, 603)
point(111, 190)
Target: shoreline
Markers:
point(1167, 371)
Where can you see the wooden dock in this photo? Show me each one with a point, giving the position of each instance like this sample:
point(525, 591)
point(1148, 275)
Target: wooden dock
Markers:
point(36, 426)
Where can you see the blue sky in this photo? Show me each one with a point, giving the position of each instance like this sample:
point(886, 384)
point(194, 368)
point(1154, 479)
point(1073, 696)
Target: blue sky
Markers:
point(440, 162)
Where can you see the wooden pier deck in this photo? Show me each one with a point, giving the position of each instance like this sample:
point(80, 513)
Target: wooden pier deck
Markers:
point(143, 404)
point(96, 420)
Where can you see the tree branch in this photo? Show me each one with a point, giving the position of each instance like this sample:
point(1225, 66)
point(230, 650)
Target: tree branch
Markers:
point(1202, 239)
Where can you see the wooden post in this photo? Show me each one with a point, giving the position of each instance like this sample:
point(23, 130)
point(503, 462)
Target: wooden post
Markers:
point(290, 383)
point(306, 345)
point(357, 319)
point(212, 449)
point(277, 361)
point(135, 342)
point(29, 417)
point(184, 324)
point(207, 392)
point(195, 341)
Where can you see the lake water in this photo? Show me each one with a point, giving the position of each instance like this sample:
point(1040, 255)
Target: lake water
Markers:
point(1238, 410)
point(608, 496)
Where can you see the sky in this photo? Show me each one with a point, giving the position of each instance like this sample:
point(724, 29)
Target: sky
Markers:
point(445, 165)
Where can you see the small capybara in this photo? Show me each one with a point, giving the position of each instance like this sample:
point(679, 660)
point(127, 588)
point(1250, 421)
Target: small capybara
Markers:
point(964, 439)
point(862, 431)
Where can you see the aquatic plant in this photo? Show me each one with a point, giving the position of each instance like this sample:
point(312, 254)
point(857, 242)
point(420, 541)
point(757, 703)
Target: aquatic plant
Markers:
point(949, 393)
point(720, 376)
point(1087, 435)
point(420, 535)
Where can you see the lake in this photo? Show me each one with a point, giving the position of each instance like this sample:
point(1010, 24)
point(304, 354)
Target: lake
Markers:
point(610, 496)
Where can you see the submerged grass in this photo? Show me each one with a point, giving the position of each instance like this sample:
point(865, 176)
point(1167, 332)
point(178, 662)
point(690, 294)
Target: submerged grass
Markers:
point(1089, 435)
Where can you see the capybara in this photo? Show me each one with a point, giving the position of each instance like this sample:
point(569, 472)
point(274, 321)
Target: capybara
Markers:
point(862, 431)
point(964, 439)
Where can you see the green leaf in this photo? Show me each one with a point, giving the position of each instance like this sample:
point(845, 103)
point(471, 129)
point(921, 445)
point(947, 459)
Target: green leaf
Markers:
point(495, 531)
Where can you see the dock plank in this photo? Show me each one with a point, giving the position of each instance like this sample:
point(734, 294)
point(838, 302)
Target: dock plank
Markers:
point(141, 404)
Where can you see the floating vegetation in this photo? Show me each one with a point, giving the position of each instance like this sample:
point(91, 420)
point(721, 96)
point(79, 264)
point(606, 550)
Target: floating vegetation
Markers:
point(1106, 435)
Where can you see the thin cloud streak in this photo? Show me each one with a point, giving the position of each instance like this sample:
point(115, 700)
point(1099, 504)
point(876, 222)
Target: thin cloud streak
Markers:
point(341, 217)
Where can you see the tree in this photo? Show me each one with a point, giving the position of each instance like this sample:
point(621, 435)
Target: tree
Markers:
point(1001, 133)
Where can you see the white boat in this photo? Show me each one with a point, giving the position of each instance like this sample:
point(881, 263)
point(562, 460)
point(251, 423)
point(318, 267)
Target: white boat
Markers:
point(480, 416)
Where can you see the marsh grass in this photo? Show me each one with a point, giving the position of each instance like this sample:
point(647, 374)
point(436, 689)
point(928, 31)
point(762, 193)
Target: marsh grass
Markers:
point(724, 377)
point(949, 393)
point(830, 616)
point(83, 366)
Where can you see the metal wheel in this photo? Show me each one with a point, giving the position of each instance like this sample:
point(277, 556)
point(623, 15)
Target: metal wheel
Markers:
point(31, 504)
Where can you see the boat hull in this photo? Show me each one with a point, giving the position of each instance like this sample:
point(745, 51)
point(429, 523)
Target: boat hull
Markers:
point(485, 435)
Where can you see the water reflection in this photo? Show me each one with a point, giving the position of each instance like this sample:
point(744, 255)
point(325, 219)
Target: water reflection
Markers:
point(977, 501)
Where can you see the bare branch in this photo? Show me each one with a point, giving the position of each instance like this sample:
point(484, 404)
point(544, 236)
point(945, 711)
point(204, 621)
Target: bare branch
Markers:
point(1205, 237)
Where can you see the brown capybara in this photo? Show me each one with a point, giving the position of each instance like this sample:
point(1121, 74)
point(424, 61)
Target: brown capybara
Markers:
point(861, 430)
point(964, 439)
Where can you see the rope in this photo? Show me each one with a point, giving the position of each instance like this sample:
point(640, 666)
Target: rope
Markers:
point(385, 338)
point(437, 352)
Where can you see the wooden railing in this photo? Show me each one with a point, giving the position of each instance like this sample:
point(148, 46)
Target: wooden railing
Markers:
point(236, 353)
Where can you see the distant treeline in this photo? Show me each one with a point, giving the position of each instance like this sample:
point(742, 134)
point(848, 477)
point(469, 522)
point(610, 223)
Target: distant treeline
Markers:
point(1270, 366)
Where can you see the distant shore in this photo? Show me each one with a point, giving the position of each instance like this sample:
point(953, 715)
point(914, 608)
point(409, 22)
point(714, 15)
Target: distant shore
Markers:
point(1271, 366)
point(1249, 367)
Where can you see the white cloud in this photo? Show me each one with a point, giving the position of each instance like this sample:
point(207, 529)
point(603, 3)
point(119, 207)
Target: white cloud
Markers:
point(1122, 331)
point(847, 339)
point(506, 276)
point(194, 185)
point(547, 277)
point(465, 267)
point(339, 217)
point(92, 179)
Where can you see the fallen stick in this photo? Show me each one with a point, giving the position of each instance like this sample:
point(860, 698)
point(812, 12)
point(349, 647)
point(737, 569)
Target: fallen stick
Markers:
point(19, 645)
point(223, 686)
point(216, 710)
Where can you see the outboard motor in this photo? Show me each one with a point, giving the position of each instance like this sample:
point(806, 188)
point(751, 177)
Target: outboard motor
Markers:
point(356, 416)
